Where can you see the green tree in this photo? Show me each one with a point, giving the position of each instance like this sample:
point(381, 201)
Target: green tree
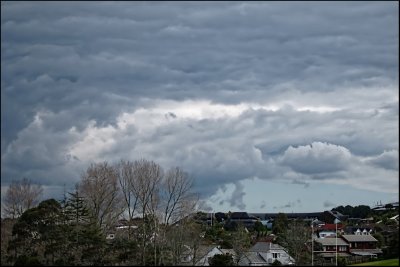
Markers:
point(380, 238)
point(37, 232)
point(280, 224)
point(240, 240)
point(276, 263)
point(342, 261)
point(361, 211)
point(221, 260)
point(259, 228)
point(92, 245)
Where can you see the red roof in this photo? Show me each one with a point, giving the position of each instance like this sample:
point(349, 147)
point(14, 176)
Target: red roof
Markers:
point(332, 226)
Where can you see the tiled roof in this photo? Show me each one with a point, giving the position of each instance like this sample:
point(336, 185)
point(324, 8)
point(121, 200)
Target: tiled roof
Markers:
point(265, 246)
point(333, 254)
point(359, 238)
point(254, 257)
point(329, 241)
point(329, 226)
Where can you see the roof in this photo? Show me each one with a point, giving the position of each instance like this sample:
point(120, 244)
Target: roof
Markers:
point(333, 254)
point(329, 241)
point(330, 226)
point(202, 251)
point(254, 257)
point(359, 238)
point(265, 246)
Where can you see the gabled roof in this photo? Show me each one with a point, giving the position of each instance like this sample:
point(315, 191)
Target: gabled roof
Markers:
point(330, 226)
point(359, 238)
point(202, 251)
point(265, 246)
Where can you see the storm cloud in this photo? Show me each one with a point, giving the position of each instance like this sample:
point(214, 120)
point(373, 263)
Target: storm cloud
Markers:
point(293, 92)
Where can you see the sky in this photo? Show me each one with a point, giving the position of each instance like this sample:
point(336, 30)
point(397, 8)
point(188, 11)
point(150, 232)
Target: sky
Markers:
point(269, 106)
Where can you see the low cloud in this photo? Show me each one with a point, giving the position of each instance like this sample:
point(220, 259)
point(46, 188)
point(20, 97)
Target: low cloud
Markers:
point(317, 158)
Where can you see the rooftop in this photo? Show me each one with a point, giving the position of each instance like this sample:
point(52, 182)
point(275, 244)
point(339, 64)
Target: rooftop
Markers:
point(329, 241)
point(359, 238)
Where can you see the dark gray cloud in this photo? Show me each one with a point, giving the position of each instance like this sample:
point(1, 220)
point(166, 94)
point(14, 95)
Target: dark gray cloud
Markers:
point(228, 91)
point(387, 160)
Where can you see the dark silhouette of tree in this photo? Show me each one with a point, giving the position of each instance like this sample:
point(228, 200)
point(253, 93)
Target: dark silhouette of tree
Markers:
point(221, 260)
point(280, 225)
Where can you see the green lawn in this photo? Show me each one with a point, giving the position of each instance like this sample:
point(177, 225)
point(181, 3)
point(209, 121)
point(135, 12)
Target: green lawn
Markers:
point(391, 262)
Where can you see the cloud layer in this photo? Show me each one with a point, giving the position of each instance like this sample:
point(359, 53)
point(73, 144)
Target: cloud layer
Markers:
point(229, 91)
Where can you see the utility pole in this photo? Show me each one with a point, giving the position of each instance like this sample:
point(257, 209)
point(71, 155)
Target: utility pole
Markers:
point(336, 243)
point(336, 222)
point(312, 243)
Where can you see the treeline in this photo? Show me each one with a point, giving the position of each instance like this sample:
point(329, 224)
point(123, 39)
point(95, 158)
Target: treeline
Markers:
point(361, 211)
point(72, 231)
point(364, 211)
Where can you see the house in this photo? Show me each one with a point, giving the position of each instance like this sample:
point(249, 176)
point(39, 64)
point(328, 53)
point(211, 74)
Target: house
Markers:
point(204, 253)
point(201, 254)
point(264, 254)
point(253, 259)
point(363, 245)
point(358, 230)
point(317, 223)
point(328, 230)
point(328, 247)
point(243, 218)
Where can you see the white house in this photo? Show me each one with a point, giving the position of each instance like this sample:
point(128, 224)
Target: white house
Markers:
point(207, 253)
point(264, 254)
point(203, 254)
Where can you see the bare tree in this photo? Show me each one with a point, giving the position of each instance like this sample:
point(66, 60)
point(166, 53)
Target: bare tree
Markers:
point(128, 184)
point(148, 175)
point(240, 241)
point(176, 194)
point(295, 240)
point(99, 187)
point(21, 196)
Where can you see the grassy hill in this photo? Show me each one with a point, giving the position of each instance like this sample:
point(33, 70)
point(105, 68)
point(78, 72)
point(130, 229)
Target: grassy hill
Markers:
point(391, 262)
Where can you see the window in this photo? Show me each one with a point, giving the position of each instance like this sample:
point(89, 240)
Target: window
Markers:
point(275, 255)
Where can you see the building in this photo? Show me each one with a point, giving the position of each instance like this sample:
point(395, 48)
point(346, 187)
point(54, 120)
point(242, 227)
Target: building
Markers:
point(327, 249)
point(363, 245)
point(264, 254)
point(328, 230)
